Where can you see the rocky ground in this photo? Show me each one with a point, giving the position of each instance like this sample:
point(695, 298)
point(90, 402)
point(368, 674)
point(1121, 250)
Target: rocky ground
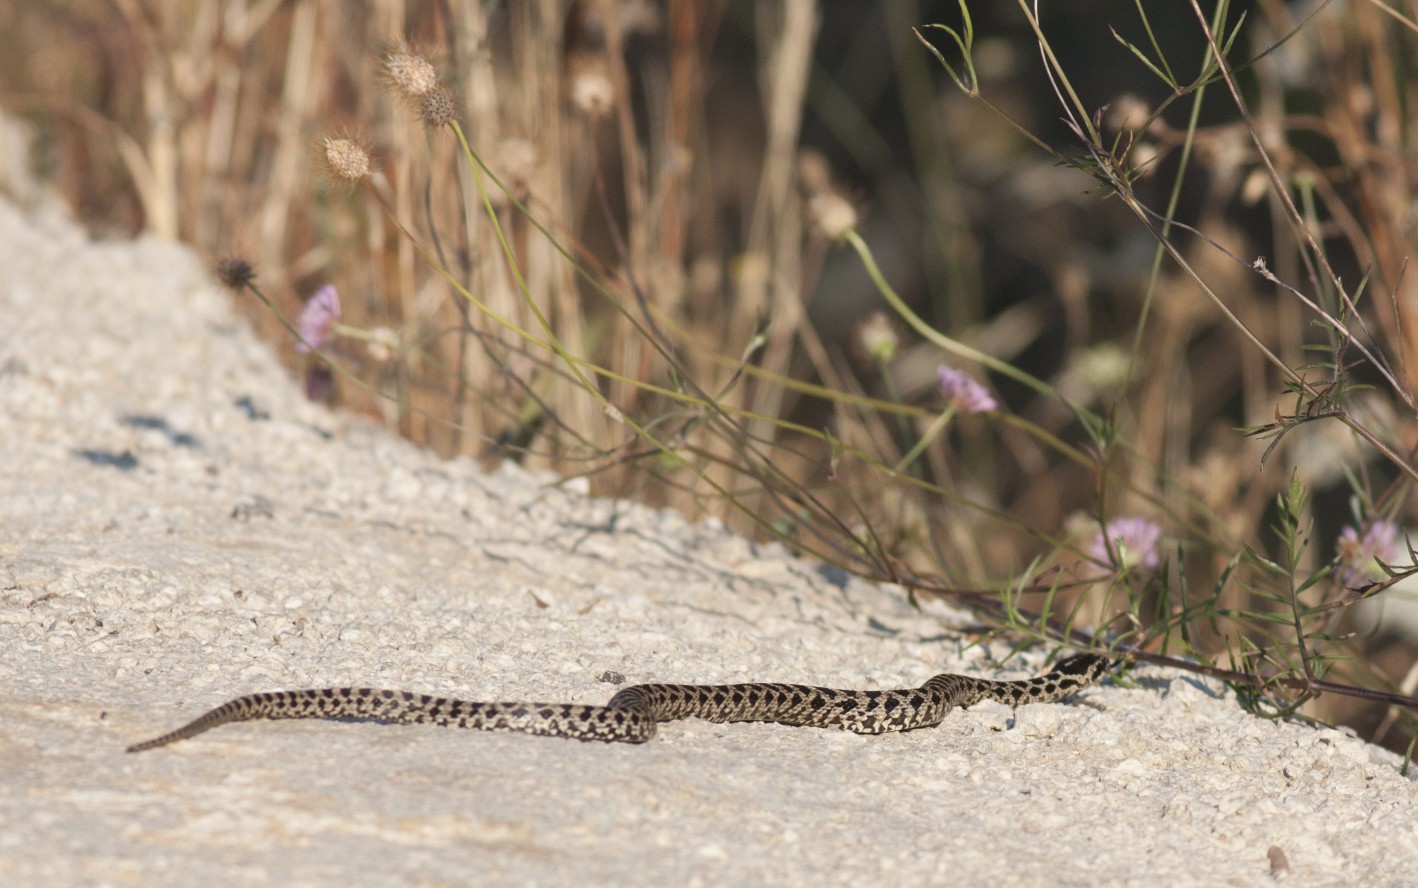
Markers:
point(180, 526)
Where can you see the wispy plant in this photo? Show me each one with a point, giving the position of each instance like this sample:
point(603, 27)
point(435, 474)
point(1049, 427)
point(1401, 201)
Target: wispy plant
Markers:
point(546, 250)
point(1285, 631)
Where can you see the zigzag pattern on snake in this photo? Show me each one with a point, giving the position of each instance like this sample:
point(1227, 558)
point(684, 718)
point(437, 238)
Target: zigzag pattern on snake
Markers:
point(631, 715)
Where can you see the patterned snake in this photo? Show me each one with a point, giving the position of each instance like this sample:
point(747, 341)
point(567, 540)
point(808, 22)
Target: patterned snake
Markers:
point(631, 715)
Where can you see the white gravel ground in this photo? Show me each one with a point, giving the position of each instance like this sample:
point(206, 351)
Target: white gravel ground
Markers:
point(178, 526)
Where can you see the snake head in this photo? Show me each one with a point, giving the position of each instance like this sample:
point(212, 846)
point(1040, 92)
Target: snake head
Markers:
point(1087, 666)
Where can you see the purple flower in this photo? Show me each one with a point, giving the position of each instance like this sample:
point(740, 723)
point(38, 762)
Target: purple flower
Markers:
point(964, 393)
point(1359, 557)
point(1134, 544)
point(317, 318)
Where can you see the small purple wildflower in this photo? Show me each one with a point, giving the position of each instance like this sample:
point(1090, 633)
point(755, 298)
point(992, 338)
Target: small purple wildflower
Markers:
point(964, 393)
point(1359, 557)
point(1134, 544)
point(318, 318)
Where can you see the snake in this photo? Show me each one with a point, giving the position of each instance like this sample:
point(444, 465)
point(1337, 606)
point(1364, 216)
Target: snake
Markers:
point(633, 712)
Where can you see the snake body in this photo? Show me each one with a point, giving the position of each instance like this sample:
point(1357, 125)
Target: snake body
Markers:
point(632, 714)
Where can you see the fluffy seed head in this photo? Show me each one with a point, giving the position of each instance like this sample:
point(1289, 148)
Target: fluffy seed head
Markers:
point(1128, 113)
point(412, 75)
point(235, 272)
point(878, 337)
point(438, 109)
point(345, 160)
point(593, 93)
point(834, 214)
point(383, 344)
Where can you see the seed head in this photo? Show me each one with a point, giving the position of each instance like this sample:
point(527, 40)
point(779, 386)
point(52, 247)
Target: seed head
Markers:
point(345, 160)
point(878, 337)
point(437, 109)
point(235, 272)
point(412, 75)
point(834, 214)
point(1128, 113)
point(383, 344)
point(593, 93)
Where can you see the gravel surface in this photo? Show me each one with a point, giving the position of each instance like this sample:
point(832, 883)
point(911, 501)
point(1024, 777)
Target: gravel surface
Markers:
point(179, 527)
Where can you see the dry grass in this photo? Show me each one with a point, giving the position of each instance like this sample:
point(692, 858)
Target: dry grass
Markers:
point(652, 222)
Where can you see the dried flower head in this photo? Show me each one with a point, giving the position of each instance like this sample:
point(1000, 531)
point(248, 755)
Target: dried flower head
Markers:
point(345, 160)
point(878, 336)
point(438, 108)
point(318, 318)
point(1127, 112)
point(833, 213)
point(235, 272)
point(1127, 543)
point(964, 393)
point(383, 344)
point(412, 75)
point(593, 93)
